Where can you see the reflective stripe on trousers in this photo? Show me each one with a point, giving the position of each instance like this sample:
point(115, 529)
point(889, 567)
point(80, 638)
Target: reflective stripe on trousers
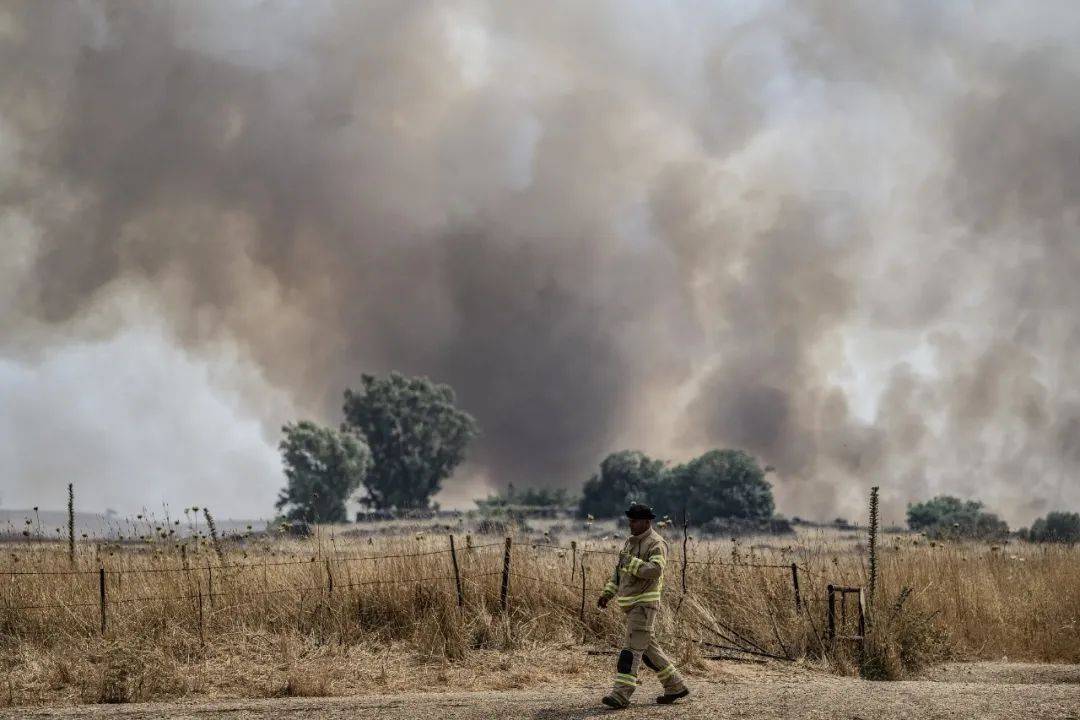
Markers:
point(639, 641)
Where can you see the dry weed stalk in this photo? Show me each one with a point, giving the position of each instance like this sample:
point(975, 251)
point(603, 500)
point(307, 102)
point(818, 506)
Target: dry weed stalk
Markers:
point(71, 524)
point(214, 534)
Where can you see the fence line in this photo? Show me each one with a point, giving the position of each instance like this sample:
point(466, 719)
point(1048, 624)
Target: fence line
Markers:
point(415, 580)
point(395, 581)
point(723, 563)
point(729, 637)
point(240, 566)
point(585, 551)
point(49, 572)
point(359, 558)
point(549, 581)
point(300, 589)
point(245, 593)
point(50, 607)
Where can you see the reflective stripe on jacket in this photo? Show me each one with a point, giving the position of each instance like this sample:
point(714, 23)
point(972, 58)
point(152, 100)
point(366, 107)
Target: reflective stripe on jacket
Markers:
point(638, 578)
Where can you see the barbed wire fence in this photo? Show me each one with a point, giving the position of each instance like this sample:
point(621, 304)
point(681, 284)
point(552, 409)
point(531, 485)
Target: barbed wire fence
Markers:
point(577, 596)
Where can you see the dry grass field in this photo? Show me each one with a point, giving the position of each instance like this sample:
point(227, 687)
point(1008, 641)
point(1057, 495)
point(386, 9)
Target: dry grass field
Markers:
point(348, 614)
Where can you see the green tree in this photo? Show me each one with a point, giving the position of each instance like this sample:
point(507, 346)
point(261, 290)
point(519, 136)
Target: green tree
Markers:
point(416, 434)
point(323, 467)
point(529, 497)
point(1056, 527)
point(539, 497)
point(719, 484)
point(626, 476)
point(945, 516)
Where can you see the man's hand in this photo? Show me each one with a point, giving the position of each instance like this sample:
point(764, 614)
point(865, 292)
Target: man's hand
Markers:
point(602, 601)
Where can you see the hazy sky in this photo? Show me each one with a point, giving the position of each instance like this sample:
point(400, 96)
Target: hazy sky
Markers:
point(840, 235)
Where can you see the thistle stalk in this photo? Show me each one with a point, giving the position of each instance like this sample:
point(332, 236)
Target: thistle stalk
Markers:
point(214, 535)
point(71, 524)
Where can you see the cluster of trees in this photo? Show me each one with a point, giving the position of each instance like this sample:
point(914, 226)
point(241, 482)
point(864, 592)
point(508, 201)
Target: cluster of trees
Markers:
point(720, 484)
point(402, 437)
point(1055, 527)
point(946, 516)
point(529, 497)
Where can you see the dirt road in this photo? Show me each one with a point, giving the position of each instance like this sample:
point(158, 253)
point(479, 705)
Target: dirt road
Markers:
point(985, 691)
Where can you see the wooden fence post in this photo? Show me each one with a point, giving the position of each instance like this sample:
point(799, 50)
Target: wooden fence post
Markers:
point(584, 627)
point(582, 588)
point(830, 618)
point(202, 636)
point(862, 615)
point(795, 584)
point(505, 574)
point(329, 580)
point(457, 573)
point(101, 593)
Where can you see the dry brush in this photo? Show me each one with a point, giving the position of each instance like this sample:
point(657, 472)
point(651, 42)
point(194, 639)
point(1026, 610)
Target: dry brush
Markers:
point(275, 616)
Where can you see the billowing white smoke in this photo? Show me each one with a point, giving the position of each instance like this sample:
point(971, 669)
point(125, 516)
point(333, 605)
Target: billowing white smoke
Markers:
point(135, 422)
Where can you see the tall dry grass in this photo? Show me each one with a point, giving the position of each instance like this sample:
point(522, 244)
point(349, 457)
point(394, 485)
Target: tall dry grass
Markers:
point(266, 622)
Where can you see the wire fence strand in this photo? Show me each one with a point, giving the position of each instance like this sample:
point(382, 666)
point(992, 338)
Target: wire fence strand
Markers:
point(243, 566)
point(244, 593)
point(316, 561)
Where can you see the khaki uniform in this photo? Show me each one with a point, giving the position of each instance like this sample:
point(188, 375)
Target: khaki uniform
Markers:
point(636, 585)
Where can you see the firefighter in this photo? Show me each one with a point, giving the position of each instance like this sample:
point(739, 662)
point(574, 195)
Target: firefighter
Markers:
point(636, 585)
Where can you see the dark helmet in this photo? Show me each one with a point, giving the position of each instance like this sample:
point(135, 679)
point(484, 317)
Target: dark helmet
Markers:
point(639, 511)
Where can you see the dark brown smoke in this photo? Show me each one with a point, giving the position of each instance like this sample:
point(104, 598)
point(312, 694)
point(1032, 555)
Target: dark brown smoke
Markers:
point(844, 241)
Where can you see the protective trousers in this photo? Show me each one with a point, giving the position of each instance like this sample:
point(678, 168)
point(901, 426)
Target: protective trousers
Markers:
point(637, 646)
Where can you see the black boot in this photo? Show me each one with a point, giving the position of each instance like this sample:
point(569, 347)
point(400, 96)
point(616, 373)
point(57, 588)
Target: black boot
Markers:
point(612, 702)
point(667, 699)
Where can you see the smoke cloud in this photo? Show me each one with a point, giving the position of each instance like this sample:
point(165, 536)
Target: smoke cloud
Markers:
point(840, 237)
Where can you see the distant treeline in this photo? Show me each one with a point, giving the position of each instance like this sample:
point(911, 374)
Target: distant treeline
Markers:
point(403, 436)
point(946, 516)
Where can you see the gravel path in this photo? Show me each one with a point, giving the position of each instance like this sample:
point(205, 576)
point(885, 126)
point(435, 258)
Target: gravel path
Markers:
point(985, 691)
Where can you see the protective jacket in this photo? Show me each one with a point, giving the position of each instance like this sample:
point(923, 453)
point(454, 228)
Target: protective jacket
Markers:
point(638, 578)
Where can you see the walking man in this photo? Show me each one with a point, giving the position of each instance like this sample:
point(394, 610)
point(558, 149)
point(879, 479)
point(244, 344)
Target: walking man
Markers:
point(636, 585)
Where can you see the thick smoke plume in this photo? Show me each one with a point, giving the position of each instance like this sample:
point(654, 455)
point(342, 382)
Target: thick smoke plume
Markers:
point(842, 237)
